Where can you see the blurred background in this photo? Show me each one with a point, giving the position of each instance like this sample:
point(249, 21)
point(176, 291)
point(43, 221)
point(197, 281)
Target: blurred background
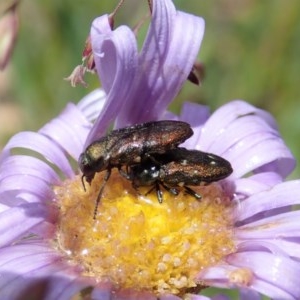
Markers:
point(251, 51)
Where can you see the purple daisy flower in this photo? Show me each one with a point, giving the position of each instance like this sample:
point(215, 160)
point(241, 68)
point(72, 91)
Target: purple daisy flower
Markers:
point(265, 229)
point(245, 238)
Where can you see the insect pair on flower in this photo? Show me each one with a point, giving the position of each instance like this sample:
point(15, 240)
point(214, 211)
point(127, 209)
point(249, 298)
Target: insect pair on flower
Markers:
point(148, 154)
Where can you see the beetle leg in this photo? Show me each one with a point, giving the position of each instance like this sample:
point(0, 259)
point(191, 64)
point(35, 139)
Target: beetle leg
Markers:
point(171, 190)
point(136, 188)
point(150, 190)
point(192, 192)
point(106, 177)
point(123, 173)
point(159, 193)
point(82, 180)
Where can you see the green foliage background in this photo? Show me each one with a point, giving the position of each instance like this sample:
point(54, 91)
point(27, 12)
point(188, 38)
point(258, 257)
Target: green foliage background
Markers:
point(251, 51)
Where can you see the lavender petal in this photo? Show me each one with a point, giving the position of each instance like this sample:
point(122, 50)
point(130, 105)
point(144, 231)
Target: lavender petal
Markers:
point(115, 54)
point(29, 166)
point(166, 60)
point(281, 195)
point(256, 183)
point(16, 184)
point(32, 266)
point(283, 225)
point(246, 137)
point(41, 144)
point(27, 216)
point(196, 115)
point(282, 273)
point(68, 131)
point(92, 104)
point(277, 246)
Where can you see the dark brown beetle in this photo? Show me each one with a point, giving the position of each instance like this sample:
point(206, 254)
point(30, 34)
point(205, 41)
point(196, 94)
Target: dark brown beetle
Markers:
point(179, 167)
point(129, 146)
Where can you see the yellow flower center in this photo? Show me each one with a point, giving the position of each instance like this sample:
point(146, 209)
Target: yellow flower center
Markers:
point(135, 242)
